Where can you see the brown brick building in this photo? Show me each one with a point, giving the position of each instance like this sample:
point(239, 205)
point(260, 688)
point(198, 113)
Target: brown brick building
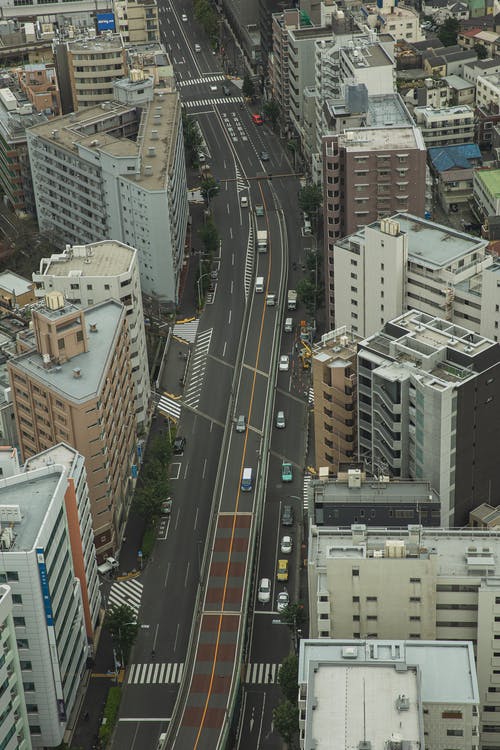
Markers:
point(75, 386)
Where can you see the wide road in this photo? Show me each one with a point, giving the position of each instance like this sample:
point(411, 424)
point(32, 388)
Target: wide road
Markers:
point(172, 577)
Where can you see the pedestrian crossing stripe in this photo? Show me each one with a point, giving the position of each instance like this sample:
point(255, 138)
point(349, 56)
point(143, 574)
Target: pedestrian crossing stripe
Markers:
point(261, 673)
point(169, 407)
point(187, 331)
point(307, 482)
point(153, 673)
point(310, 396)
point(196, 81)
point(126, 592)
point(209, 102)
point(198, 364)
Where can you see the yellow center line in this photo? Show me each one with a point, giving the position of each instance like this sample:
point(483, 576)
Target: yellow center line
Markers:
point(235, 512)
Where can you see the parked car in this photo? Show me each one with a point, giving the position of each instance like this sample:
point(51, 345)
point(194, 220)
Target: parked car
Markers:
point(282, 572)
point(244, 201)
point(287, 516)
point(257, 119)
point(280, 420)
point(225, 90)
point(264, 593)
point(259, 210)
point(286, 545)
point(179, 445)
point(283, 601)
point(286, 471)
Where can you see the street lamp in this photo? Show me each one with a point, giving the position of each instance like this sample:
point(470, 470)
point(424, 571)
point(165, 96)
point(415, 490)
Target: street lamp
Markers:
point(198, 285)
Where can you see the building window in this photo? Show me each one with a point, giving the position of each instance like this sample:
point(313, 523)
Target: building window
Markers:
point(19, 622)
point(371, 598)
point(89, 287)
point(415, 580)
point(455, 732)
point(415, 599)
point(355, 599)
point(355, 571)
point(61, 344)
point(25, 665)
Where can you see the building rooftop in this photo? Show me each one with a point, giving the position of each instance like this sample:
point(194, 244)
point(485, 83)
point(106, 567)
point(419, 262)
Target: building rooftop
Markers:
point(434, 245)
point(93, 364)
point(458, 83)
point(387, 137)
point(12, 282)
point(447, 669)
point(387, 110)
point(374, 490)
point(491, 179)
point(153, 151)
point(106, 258)
point(28, 497)
point(60, 454)
point(98, 44)
point(462, 156)
point(470, 553)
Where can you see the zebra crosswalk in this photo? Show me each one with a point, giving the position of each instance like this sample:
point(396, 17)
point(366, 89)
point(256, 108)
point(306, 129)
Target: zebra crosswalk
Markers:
point(152, 673)
point(206, 79)
point(170, 406)
point(191, 103)
point(197, 368)
point(307, 481)
point(249, 260)
point(187, 330)
point(261, 673)
point(126, 592)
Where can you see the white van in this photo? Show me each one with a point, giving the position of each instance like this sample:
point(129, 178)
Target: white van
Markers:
point(244, 201)
point(259, 284)
point(288, 325)
point(247, 480)
point(307, 226)
point(271, 300)
point(197, 48)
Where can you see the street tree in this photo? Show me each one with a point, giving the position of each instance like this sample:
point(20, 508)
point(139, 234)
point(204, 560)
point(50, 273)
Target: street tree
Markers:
point(248, 89)
point(209, 236)
point(192, 139)
point(310, 199)
point(206, 17)
point(288, 677)
point(121, 623)
point(208, 187)
point(286, 720)
point(306, 292)
point(271, 110)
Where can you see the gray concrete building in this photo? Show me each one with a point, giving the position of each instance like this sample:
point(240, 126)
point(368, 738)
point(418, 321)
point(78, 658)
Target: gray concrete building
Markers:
point(118, 171)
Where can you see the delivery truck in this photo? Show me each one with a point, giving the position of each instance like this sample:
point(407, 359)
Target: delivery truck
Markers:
point(292, 299)
point(262, 240)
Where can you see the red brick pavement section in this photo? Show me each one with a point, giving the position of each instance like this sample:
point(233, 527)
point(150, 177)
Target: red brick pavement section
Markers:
point(236, 569)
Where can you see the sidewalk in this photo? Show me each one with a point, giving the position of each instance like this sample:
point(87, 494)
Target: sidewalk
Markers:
point(101, 677)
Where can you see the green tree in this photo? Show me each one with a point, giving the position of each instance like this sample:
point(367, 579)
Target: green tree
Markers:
point(310, 199)
point(448, 32)
point(209, 187)
point(293, 616)
point(271, 110)
point(288, 677)
point(481, 51)
point(306, 292)
point(122, 625)
point(286, 720)
point(192, 139)
point(207, 17)
point(209, 236)
point(248, 88)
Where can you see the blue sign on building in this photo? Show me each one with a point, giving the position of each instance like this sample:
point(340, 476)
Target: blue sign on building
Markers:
point(105, 21)
point(44, 582)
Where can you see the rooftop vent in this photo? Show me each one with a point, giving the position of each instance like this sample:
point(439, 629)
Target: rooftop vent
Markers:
point(148, 170)
point(151, 151)
point(94, 143)
point(402, 703)
point(364, 745)
point(77, 373)
point(55, 135)
point(93, 327)
point(157, 118)
point(154, 135)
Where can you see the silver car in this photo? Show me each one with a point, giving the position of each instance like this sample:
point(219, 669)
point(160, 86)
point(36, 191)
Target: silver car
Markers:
point(241, 423)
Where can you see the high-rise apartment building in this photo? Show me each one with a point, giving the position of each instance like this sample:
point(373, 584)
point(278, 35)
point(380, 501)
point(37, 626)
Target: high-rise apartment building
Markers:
point(88, 274)
point(334, 364)
point(79, 520)
point(48, 615)
point(86, 69)
point(14, 726)
point(137, 21)
point(389, 694)
point(74, 385)
point(369, 173)
point(428, 394)
point(407, 262)
point(118, 171)
point(414, 583)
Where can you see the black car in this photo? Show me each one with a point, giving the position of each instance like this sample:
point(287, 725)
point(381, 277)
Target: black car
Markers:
point(179, 445)
point(287, 515)
point(225, 90)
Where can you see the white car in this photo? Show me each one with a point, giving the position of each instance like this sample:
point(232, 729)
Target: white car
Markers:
point(213, 87)
point(284, 363)
point(286, 545)
point(184, 18)
point(283, 601)
point(264, 595)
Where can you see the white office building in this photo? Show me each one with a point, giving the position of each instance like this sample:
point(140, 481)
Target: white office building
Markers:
point(77, 503)
point(118, 171)
point(389, 694)
point(88, 274)
point(48, 613)
point(405, 262)
point(14, 727)
point(412, 583)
